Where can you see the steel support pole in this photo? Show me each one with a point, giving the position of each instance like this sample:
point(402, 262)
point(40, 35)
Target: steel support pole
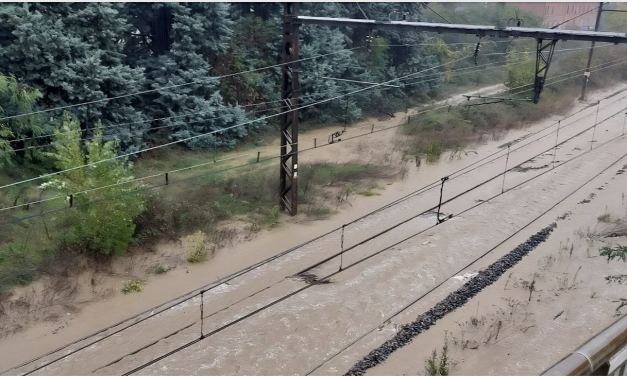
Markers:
point(440, 203)
point(587, 72)
point(505, 172)
point(288, 174)
point(544, 55)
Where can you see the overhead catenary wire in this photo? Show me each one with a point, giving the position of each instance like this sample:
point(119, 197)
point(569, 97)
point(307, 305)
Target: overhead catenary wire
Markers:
point(550, 79)
point(354, 246)
point(577, 16)
point(159, 174)
point(214, 132)
point(177, 86)
point(244, 165)
point(189, 83)
point(202, 112)
point(215, 284)
point(201, 120)
point(209, 163)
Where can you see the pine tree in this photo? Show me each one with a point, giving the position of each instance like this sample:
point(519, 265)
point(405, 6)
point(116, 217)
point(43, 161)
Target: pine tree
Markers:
point(71, 52)
point(186, 36)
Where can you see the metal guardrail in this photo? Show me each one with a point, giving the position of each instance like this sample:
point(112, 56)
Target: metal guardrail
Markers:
point(605, 354)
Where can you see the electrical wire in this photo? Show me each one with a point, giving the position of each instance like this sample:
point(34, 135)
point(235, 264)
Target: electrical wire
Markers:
point(428, 7)
point(214, 132)
point(177, 86)
point(235, 157)
point(202, 112)
point(474, 69)
point(560, 24)
point(239, 166)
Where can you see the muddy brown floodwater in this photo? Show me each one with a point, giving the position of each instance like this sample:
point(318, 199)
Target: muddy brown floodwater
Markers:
point(250, 328)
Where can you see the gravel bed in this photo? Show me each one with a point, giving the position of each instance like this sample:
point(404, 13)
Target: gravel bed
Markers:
point(455, 300)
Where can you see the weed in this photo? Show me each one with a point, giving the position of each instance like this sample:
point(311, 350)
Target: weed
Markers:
point(622, 301)
point(369, 193)
point(321, 211)
point(439, 367)
point(620, 279)
point(273, 216)
point(619, 252)
point(617, 229)
point(160, 270)
point(605, 218)
point(132, 286)
point(434, 151)
point(199, 250)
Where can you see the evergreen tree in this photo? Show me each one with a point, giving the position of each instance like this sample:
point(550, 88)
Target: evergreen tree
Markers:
point(182, 38)
point(71, 52)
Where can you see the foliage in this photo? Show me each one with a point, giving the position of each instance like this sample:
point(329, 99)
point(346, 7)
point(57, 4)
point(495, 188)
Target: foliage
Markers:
point(199, 247)
point(520, 69)
point(132, 286)
point(618, 252)
point(614, 21)
point(15, 99)
point(72, 53)
point(160, 270)
point(438, 367)
point(97, 224)
point(369, 192)
point(605, 218)
point(443, 53)
point(273, 216)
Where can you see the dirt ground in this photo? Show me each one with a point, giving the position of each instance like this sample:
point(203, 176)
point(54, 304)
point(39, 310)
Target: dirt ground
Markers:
point(297, 334)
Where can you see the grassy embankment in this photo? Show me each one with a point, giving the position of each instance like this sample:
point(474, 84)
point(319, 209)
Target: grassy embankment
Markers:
point(208, 199)
point(458, 128)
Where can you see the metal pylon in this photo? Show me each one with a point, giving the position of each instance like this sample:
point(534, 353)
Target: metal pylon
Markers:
point(288, 174)
point(544, 54)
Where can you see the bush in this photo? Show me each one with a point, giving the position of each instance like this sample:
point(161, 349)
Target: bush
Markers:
point(438, 367)
point(199, 251)
point(369, 192)
point(273, 216)
point(618, 252)
point(105, 225)
point(132, 286)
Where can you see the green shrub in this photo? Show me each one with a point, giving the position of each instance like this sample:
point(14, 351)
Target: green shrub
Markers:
point(619, 252)
point(160, 270)
point(273, 216)
point(199, 250)
point(105, 225)
point(369, 192)
point(132, 286)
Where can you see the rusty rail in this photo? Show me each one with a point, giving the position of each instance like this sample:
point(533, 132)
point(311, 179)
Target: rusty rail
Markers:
point(605, 354)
